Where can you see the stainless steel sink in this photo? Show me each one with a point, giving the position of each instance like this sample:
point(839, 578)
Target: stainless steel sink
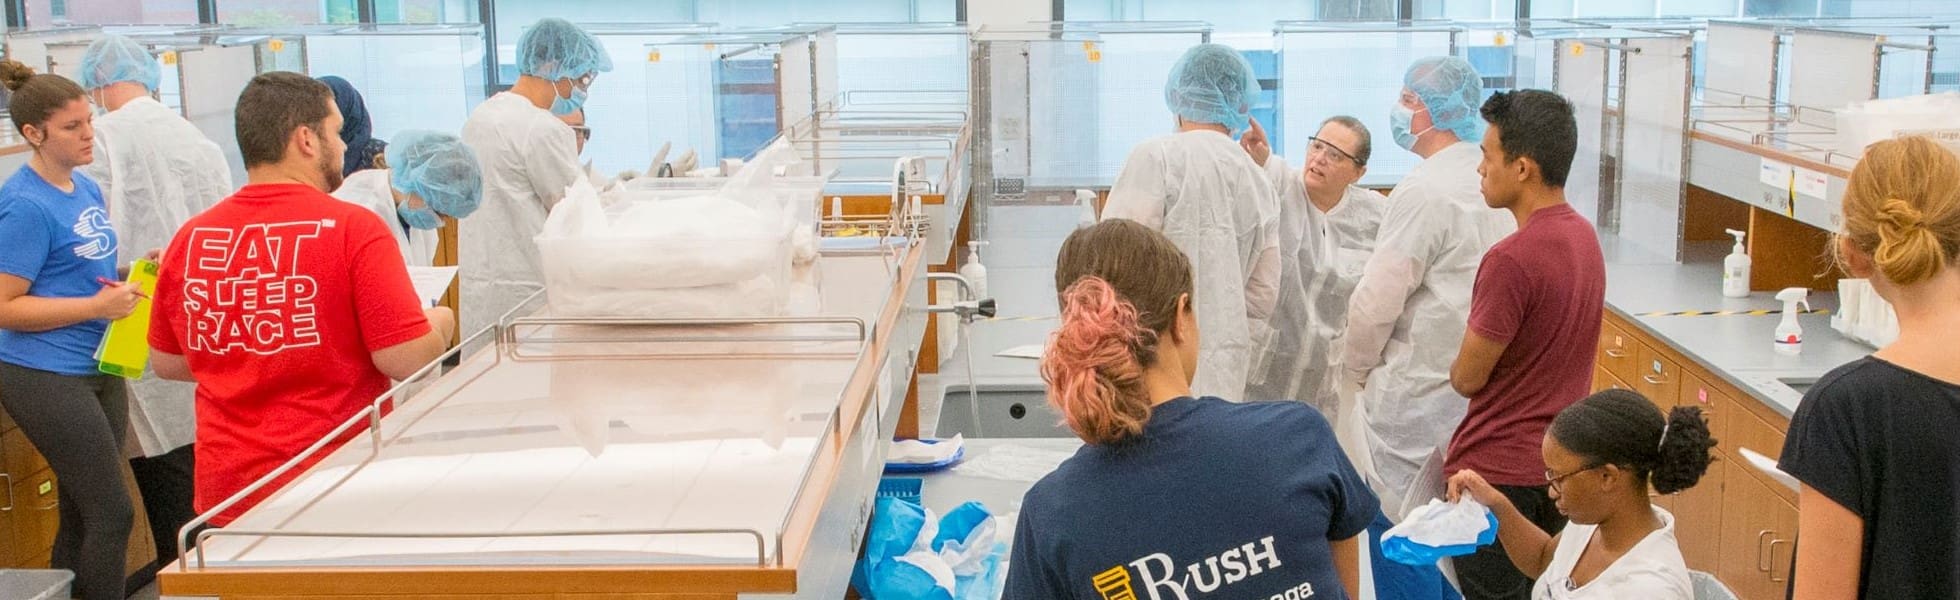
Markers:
point(1800, 384)
point(1004, 411)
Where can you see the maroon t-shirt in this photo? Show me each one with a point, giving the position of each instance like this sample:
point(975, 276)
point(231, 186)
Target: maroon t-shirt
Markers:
point(1540, 291)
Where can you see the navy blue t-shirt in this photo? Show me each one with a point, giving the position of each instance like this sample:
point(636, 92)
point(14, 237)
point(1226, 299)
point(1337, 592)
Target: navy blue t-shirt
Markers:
point(1214, 500)
point(62, 244)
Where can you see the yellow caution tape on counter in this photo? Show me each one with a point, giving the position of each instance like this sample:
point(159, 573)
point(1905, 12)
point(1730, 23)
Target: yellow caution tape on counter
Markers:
point(1728, 313)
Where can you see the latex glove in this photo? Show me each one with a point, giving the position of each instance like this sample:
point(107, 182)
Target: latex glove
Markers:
point(1255, 144)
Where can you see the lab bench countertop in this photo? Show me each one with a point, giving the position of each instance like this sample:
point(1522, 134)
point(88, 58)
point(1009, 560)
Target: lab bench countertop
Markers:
point(1738, 348)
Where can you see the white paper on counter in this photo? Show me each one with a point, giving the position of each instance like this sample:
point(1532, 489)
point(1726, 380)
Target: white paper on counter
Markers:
point(1030, 351)
point(1767, 466)
point(431, 282)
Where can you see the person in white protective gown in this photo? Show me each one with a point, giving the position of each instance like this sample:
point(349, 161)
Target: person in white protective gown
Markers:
point(1408, 312)
point(1327, 230)
point(156, 171)
point(529, 157)
point(1207, 196)
point(430, 175)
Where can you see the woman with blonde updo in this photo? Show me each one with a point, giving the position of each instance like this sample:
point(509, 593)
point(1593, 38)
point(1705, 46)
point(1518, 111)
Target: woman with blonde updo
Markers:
point(1174, 495)
point(1873, 442)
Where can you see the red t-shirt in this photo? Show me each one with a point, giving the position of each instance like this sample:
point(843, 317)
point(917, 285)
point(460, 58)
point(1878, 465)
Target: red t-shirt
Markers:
point(278, 297)
point(1540, 291)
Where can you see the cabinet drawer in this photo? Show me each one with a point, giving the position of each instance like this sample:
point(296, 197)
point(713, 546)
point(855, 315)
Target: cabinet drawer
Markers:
point(9, 556)
point(1714, 403)
point(1605, 380)
point(1659, 377)
point(1617, 350)
point(1746, 430)
point(21, 458)
point(36, 514)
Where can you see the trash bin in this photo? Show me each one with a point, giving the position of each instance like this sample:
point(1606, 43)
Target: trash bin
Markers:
point(35, 584)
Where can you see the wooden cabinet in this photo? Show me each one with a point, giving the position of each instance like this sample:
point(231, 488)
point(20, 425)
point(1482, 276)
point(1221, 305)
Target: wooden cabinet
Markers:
point(1617, 351)
point(1756, 536)
point(1659, 379)
point(30, 514)
point(1605, 380)
point(1735, 522)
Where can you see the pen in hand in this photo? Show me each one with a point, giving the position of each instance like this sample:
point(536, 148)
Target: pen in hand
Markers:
point(107, 282)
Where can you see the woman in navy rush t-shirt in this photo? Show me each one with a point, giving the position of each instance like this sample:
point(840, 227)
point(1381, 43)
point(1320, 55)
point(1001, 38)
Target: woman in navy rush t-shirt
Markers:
point(58, 292)
point(1174, 497)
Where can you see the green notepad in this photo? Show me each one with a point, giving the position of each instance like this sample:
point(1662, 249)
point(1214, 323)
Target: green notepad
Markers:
point(125, 350)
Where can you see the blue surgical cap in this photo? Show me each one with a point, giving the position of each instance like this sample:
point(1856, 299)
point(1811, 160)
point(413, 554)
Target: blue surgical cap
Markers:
point(1212, 83)
point(115, 59)
point(554, 49)
point(438, 168)
point(1452, 91)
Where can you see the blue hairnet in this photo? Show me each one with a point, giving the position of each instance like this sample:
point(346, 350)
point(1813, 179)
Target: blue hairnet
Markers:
point(438, 168)
point(1212, 83)
point(115, 59)
point(1452, 91)
point(554, 49)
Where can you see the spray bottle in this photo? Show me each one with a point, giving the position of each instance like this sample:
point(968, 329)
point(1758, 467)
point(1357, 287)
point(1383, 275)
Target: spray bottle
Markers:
point(1789, 335)
point(1087, 201)
point(974, 272)
point(1735, 269)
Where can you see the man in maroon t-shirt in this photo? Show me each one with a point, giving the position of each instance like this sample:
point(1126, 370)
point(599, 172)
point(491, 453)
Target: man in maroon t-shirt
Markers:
point(1534, 322)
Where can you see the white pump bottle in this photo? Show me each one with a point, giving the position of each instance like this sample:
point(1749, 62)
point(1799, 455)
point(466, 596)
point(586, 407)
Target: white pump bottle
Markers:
point(974, 272)
point(1735, 269)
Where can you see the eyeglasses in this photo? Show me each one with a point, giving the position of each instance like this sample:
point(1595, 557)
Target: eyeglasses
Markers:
point(1556, 482)
point(1316, 145)
point(584, 133)
point(585, 81)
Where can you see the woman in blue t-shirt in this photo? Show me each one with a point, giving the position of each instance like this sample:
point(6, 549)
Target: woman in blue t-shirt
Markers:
point(58, 292)
point(1174, 496)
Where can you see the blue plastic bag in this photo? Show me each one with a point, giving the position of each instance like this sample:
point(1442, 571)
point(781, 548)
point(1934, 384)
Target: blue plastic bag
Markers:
point(1409, 552)
point(906, 554)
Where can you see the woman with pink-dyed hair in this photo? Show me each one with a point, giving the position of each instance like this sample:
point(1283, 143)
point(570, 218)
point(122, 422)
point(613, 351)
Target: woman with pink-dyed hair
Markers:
point(1171, 495)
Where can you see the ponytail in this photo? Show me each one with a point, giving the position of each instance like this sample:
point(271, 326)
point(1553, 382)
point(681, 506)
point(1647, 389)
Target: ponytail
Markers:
point(1094, 364)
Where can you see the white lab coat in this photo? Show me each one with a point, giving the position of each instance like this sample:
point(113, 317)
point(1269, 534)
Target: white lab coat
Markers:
point(1408, 312)
point(370, 189)
point(1208, 197)
point(1322, 256)
point(156, 171)
point(529, 157)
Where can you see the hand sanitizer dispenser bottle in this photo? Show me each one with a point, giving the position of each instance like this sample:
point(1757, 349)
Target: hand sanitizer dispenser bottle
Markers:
point(974, 272)
point(1735, 269)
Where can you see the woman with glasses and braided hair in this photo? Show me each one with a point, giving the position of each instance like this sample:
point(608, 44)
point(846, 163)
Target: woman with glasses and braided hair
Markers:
point(1602, 455)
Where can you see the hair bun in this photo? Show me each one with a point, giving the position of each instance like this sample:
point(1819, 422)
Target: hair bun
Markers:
point(1900, 217)
point(13, 74)
point(1683, 450)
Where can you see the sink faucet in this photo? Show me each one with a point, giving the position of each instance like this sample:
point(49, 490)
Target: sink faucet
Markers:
point(967, 308)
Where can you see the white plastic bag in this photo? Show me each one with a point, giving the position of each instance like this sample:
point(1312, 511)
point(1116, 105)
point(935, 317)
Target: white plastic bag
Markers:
point(721, 254)
point(1863, 123)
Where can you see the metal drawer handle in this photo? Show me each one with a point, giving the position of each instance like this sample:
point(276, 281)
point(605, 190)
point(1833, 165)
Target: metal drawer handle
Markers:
point(10, 491)
point(1652, 380)
point(1614, 353)
point(1762, 558)
point(1772, 562)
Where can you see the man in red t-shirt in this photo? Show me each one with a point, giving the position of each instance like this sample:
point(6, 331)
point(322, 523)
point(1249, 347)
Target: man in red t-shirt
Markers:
point(290, 309)
point(1534, 322)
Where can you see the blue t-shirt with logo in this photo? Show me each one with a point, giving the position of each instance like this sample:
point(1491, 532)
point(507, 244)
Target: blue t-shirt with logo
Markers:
point(62, 244)
point(1214, 500)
